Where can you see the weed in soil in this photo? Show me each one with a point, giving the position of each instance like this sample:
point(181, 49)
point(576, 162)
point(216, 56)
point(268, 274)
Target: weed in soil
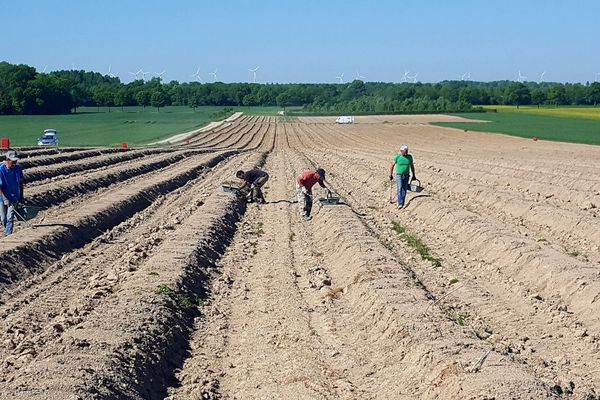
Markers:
point(416, 244)
point(181, 300)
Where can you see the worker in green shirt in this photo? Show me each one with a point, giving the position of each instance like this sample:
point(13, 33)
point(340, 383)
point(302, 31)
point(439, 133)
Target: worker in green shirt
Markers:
point(404, 165)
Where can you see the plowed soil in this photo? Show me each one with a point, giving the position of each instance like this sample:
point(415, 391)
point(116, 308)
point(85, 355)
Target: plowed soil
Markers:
point(144, 280)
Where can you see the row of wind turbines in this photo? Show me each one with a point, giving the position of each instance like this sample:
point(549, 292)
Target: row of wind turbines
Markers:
point(140, 74)
point(407, 77)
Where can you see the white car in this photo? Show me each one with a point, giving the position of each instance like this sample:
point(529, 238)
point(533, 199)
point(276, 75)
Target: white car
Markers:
point(49, 138)
point(344, 120)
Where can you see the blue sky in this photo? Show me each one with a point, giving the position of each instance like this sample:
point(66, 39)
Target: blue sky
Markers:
point(309, 40)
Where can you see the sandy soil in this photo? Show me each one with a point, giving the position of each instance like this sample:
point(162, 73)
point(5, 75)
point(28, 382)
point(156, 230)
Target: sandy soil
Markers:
point(153, 283)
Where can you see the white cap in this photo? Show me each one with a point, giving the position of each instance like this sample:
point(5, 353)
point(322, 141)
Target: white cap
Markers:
point(11, 155)
point(403, 148)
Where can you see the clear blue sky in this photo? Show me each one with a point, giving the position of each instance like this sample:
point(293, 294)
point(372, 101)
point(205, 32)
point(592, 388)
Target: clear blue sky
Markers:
point(308, 40)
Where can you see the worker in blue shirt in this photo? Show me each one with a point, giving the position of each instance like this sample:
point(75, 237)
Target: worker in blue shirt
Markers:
point(11, 189)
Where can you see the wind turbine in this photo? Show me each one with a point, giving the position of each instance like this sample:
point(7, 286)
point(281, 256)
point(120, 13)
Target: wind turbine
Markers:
point(341, 78)
point(44, 70)
point(521, 78)
point(254, 73)
point(405, 77)
point(214, 74)
point(542, 77)
point(143, 74)
point(359, 76)
point(414, 77)
point(466, 76)
point(197, 75)
point(160, 74)
point(597, 75)
point(136, 74)
point(110, 74)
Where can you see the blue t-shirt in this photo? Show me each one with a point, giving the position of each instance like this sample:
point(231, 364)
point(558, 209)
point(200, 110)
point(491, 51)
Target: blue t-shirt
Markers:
point(10, 182)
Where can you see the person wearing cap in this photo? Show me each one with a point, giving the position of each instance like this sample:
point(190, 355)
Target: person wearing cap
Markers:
point(253, 181)
point(404, 165)
point(304, 185)
point(11, 189)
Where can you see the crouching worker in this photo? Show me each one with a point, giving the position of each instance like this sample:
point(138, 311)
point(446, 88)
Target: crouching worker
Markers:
point(253, 181)
point(11, 190)
point(304, 185)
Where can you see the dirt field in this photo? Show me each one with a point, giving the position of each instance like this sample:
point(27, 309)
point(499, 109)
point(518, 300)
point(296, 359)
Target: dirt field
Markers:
point(144, 280)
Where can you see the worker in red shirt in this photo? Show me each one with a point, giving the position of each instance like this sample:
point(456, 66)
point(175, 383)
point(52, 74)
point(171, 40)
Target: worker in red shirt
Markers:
point(304, 185)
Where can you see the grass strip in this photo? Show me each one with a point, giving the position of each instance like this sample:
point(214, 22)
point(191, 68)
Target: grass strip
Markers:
point(417, 244)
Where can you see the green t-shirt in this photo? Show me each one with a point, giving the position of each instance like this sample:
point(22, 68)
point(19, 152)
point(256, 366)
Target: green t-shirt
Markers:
point(403, 164)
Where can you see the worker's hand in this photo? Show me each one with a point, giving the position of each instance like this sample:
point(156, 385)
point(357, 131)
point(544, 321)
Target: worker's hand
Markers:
point(413, 178)
point(328, 192)
point(303, 190)
point(391, 177)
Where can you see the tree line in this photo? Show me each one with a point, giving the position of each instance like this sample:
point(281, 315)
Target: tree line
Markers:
point(23, 90)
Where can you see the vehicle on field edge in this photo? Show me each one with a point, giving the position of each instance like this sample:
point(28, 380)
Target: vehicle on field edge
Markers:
point(48, 138)
point(344, 120)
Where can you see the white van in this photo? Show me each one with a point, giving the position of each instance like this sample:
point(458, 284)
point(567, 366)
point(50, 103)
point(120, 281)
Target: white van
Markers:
point(344, 120)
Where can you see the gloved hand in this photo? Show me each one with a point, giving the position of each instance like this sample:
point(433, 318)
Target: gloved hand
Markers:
point(413, 178)
point(391, 177)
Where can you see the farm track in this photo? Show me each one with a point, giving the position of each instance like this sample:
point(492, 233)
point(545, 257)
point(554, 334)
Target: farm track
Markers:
point(323, 310)
point(537, 302)
point(146, 281)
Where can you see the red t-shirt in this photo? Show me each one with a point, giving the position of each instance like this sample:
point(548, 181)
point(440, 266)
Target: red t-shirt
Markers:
point(308, 179)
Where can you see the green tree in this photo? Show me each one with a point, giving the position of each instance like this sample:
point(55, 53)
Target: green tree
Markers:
point(557, 95)
point(518, 94)
point(158, 99)
point(593, 93)
point(143, 98)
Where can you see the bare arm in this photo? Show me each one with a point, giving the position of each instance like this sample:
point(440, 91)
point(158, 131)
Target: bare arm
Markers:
point(412, 168)
point(392, 169)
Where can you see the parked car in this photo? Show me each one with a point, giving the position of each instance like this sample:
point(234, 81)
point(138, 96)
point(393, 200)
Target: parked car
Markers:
point(49, 138)
point(344, 120)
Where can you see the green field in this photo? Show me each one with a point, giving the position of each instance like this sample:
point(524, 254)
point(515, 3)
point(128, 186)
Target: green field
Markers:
point(93, 127)
point(565, 112)
point(568, 124)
